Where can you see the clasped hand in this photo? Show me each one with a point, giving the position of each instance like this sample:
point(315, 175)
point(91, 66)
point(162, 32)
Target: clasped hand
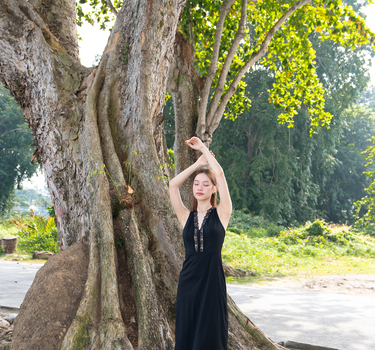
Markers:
point(197, 144)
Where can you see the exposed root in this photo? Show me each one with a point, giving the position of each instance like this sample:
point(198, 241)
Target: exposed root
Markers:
point(231, 271)
point(153, 329)
point(127, 302)
point(256, 335)
point(99, 323)
point(109, 152)
point(82, 332)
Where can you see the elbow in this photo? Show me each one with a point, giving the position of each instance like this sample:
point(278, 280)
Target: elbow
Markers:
point(172, 184)
point(219, 173)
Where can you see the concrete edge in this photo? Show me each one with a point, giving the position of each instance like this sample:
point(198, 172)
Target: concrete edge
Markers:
point(303, 346)
point(10, 308)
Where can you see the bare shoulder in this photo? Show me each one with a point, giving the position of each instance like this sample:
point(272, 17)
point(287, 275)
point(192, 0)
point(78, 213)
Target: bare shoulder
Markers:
point(224, 215)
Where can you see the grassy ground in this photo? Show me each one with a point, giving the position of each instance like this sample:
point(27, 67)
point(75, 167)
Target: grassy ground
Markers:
point(21, 257)
point(315, 249)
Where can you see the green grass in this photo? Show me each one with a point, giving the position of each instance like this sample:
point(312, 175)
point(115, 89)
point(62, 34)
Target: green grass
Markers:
point(22, 257)
point(312, 250)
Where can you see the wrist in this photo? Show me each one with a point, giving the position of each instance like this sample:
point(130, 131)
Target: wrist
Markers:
point(196, 164)
point(204, 149)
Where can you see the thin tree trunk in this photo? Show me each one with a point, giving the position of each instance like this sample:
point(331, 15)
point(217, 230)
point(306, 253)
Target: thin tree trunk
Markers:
point(97, 136)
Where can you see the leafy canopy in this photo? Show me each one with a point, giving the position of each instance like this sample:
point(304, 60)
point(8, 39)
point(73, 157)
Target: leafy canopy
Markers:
point(290, 54)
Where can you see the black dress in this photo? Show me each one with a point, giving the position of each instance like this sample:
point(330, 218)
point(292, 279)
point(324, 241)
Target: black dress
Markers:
point(201, 309)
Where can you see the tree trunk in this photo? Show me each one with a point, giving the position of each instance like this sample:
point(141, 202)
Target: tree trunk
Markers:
point(184, 89)
point(97, 136)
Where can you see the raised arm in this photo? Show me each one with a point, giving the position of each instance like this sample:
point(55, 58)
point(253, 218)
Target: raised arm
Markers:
point(181, 211)
point(224, 208)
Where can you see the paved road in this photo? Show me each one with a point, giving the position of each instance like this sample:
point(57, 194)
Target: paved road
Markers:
point(15, 280)
point(345, 322)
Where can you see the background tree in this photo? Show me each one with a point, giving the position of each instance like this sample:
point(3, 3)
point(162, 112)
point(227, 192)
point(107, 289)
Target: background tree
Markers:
point(365, 207)
point(226, 41)
point(98, 132)
point(340, 173)
point(286, 175)
point(15, 149)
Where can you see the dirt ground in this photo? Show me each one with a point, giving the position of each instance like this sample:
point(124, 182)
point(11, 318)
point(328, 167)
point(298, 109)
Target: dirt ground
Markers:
point(344, 284)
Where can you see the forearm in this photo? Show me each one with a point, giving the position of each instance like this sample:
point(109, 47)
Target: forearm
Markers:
point(212, 162)
point(179, 179)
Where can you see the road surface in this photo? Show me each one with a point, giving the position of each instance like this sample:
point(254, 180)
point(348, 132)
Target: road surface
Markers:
point(345, 322)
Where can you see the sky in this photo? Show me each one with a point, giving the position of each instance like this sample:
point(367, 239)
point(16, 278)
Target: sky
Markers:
point(93, 43)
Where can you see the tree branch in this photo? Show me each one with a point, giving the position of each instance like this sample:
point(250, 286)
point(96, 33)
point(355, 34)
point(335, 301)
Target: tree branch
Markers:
point(8, 132)
point(213, 67)
point(224, 73)
point(191, 35)
point(111, 7)
point(60, 17)
point(262, 51)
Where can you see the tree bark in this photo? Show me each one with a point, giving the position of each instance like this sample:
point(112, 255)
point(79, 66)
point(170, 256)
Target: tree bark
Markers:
point(184, 89)
point(97, 136)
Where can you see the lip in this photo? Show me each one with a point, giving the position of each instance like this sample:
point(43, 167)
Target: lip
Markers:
point(199, 194)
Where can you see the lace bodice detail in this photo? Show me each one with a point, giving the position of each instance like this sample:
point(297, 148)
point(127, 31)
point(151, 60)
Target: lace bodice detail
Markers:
point(197, 230)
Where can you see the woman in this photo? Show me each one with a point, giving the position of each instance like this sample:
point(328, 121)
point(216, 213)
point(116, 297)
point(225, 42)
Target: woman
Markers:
point(201, 309)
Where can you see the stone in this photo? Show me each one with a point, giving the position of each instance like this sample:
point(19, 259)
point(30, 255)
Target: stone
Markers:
point(10, 318)
point(4, 324)
point(52, 301)
point(5, 345)
point(42, 254)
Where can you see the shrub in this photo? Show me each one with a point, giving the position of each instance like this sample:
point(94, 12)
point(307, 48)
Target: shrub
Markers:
point(274, 230)
point(234, 230)
point(316, 228)
point(37, 233)
point(244, 220)
point(256, 232)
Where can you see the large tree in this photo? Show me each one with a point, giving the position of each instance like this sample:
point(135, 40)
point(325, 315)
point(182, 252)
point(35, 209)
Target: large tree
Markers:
point(98, 133)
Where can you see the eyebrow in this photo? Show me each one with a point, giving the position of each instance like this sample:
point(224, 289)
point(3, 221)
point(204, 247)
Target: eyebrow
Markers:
point(202, 181)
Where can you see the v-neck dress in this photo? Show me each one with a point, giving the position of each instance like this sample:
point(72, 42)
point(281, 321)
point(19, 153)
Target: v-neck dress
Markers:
point(201, 308)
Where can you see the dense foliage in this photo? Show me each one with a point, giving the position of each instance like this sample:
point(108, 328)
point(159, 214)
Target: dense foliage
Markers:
point(291, 55)
point(229, 37)
point(15, 149)
point(284, 174)
point(365, 207)
point(36, 233)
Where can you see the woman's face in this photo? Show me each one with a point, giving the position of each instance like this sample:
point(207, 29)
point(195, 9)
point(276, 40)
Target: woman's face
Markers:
point(202, 187)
